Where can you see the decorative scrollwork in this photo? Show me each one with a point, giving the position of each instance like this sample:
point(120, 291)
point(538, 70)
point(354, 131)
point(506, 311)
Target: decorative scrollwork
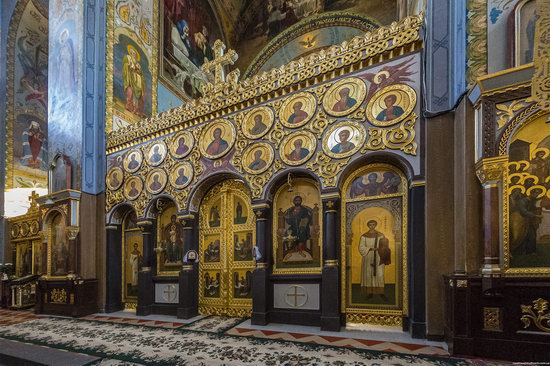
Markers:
point(401, 137)
point(58, 296)
point(540, 318)
point(541, 78)
point(327, 169)
point(506, 111)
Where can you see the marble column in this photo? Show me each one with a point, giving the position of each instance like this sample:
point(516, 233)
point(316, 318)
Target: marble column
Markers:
point(189, 274)
point(145, 276)
point(330, 285)
point(260, 284)
point(113, 300)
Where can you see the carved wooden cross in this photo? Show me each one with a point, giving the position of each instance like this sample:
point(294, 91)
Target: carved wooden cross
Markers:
point(221, 59)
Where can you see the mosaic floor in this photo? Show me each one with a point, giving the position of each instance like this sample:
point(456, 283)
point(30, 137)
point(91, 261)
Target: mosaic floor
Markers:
point(128, 340)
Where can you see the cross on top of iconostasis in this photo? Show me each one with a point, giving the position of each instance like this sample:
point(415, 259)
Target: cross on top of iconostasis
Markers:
point(221, 59)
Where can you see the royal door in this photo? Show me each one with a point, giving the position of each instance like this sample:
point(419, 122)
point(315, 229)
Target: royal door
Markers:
point(227, 235)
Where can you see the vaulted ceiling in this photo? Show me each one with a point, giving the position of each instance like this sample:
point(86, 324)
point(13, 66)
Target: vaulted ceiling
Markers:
point(249, 25)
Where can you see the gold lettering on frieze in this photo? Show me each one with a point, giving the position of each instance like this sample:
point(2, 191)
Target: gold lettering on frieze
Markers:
point(536, 314)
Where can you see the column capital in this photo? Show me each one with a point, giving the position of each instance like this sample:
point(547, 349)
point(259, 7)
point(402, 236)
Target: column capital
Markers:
point(489, 171)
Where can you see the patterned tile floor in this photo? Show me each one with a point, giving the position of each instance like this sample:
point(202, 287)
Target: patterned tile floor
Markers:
point(387, 342)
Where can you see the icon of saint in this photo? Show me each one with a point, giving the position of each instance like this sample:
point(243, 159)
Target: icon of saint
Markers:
point(134, 82)
point(218, 145)
point(214, 219)
point(258, 163)
point(135, 260)
point(114, 179)
point(182, 178)
point(182, 147)
point(299, 115)
point(298, 232)
point(133, 190)
point(156, 156)
point(372, 188)
point(344, 145)
point(239, 218)
point(212, 251)
point(345, 102)
point(173, 240)
point(259, 125)
point(133, 164)
point(299, 152)
point(375, 252)
point(390, 184)
point(156, 185)
point(391, 111)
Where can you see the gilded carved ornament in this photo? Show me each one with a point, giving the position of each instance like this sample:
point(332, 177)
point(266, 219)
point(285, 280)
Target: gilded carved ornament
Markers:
point(536, 315)
point(232, 92)
point(490, 170)
point(541, 78)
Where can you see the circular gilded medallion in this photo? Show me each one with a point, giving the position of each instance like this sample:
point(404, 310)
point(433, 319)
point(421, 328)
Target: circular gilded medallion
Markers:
point(156, 181)
point(343, 139)
point(257, 158)
point(156, 153)
point(34, 228)
point(298, 148)
point(115, 176)
point(25, 228)
point(297, 110)
point(257, 122)
point(132, 161)
point(391, 105)
point(133, 188)
point(181, 175)
point(217, 139)
point(181, 145)
point(344, 97)
point(15, 231)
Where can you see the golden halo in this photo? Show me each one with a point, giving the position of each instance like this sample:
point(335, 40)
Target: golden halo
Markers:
point(542, 188)
point(378, 74)
point(358, 91)
point(189, 141)
point(331, 137)
point(112, 171)
point(309, 105)
point(268, 154)
point(187, 171)
point(309, 142)
point(543, 149)
point(248, 123)
point(406, 100)
point(228, 135)
point(132, 48)
point(127, 159)
point(162, 180)
point(128, 188)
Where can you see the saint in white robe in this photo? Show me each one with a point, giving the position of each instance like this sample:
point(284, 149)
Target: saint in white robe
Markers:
point(372, 271)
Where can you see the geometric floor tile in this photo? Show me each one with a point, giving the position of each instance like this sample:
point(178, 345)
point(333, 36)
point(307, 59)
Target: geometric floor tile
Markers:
point(375, 345)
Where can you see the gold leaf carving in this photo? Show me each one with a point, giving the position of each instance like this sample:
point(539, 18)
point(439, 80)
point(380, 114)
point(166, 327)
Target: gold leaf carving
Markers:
point(327, 169)
point(401, 137)
point(536, 314)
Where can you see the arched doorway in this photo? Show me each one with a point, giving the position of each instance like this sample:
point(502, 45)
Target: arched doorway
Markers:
point(374, 246)
point(227, 235)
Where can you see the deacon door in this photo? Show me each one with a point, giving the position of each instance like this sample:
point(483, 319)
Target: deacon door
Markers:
point(227, 235)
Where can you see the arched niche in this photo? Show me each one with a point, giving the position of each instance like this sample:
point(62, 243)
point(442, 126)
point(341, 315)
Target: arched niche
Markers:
point(374, 245)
